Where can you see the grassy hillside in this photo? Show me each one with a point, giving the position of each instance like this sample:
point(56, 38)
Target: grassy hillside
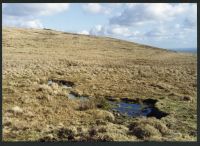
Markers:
point(99, 67)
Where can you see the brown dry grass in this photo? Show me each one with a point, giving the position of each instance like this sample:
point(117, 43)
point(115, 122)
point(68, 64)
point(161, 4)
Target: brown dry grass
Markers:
point(99, 67)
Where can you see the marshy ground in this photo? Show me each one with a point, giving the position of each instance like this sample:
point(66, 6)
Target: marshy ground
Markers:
point(42, 69)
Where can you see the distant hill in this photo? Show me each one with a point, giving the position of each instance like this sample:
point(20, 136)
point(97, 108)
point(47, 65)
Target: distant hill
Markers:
point(48, 41)
point(187, 50)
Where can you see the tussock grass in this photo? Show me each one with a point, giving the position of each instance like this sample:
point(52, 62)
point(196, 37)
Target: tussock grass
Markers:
point(98, 67)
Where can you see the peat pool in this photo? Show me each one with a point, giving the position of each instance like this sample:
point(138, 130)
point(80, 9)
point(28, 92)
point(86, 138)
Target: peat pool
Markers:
point(137, 108)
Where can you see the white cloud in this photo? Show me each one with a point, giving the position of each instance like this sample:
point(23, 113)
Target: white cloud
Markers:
point(158, 33)
point(25, 15)
point(22, 22)
point(84, 32)
point(153, 24)
point(120, 31)
point(98, 30)
point(96, 8)
point(158, 22)
point(31, 24)
point(34, 9)
point(139, 14)
point(113, 30)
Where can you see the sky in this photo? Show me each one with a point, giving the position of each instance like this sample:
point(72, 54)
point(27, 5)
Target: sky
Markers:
point(163, 25)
